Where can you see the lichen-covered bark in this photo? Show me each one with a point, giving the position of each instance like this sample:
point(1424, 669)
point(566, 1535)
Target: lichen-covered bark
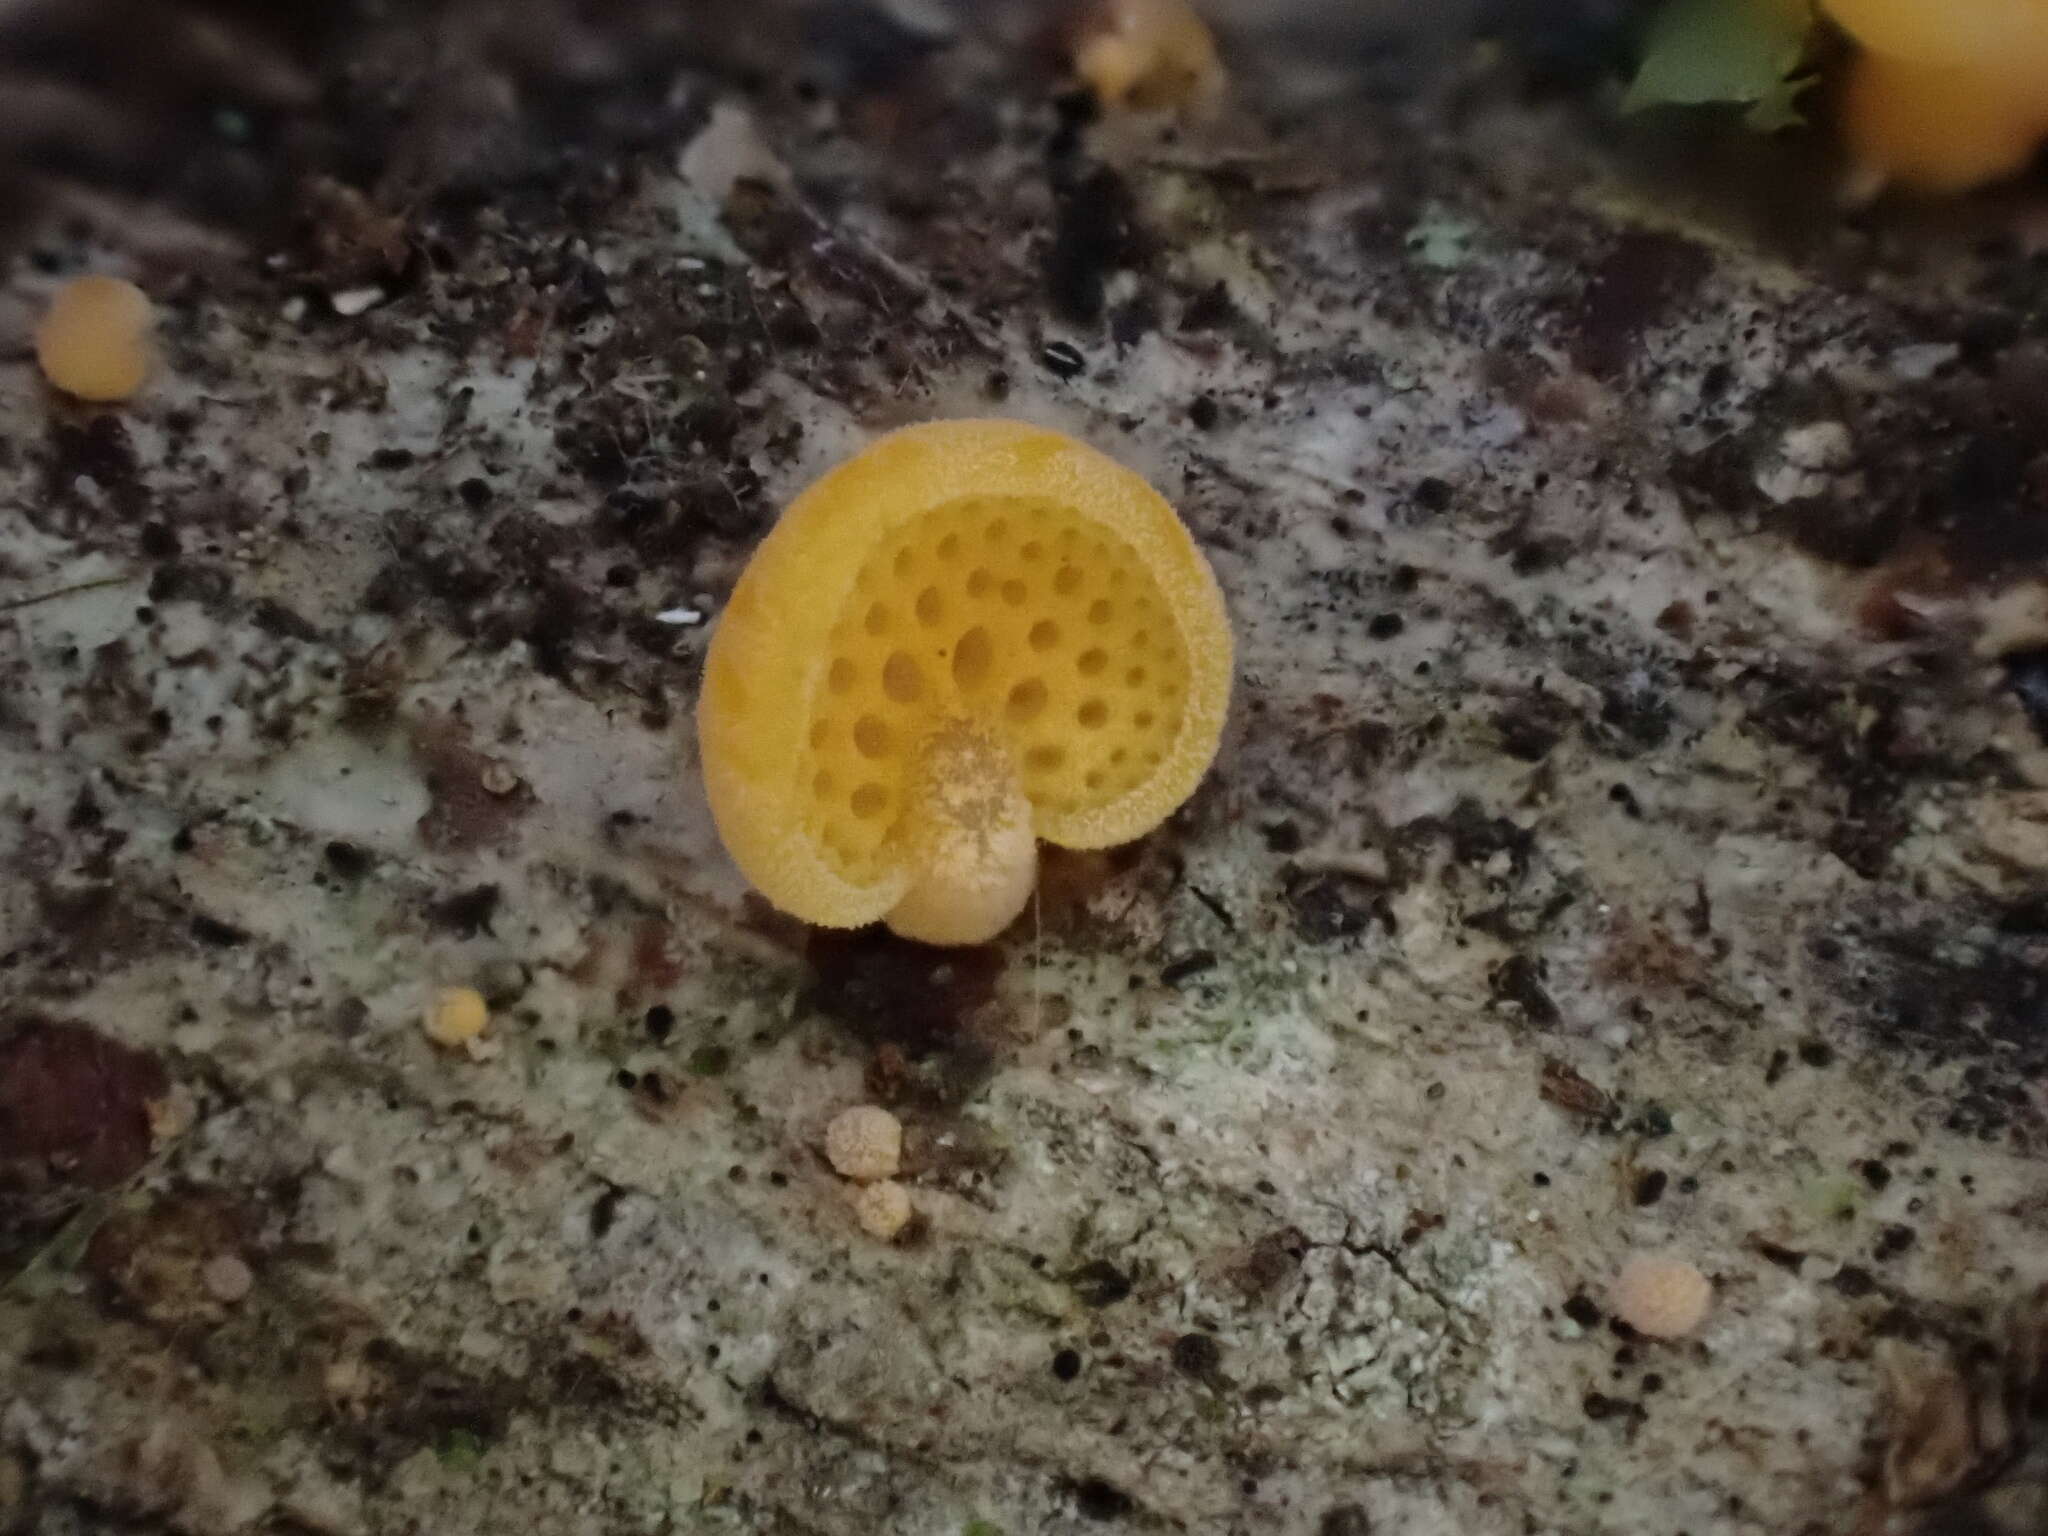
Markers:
point(1626, 838)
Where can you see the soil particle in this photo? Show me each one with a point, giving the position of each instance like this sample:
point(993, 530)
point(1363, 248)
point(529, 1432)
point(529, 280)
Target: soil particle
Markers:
point(1187, 966)
point(1099, 1283)
point(1641, 279)
point(1198, 1355)
point(466, 913)
point(1519, 981)
point(1531, 726)
point(1095, 234)
point(1270, 1262)
point(100, 452)
point(2026, 674)
point(889, 990)
point(1098, 1499)
point(1326, 908)
point(464, 814)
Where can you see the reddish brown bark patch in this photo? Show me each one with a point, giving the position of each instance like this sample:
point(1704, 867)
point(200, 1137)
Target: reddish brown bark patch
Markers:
point(74, 1106)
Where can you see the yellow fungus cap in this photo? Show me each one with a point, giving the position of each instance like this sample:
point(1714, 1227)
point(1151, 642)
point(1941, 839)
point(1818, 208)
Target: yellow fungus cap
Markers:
point(94, 341)
point(972, 634)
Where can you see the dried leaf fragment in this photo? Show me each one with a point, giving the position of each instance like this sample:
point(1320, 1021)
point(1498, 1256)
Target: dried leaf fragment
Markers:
point(1562, 1085)
point(1934, 1448)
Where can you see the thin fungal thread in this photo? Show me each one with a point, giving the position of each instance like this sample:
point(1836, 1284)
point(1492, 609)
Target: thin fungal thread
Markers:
point(1037, 963)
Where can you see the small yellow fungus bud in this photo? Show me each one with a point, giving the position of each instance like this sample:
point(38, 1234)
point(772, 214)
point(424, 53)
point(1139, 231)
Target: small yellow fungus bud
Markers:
point(865, 1143)
point(456, 1016)
point(1661, 1296)
point(94, 342)
point(971, 636)
point(883, 1210)
point(1147, 54)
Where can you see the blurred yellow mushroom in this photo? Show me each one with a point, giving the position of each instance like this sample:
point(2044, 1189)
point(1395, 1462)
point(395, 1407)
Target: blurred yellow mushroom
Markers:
point(1147, 54)
point(1943, 98)
point(1940, 128)
point(94, 341)
point(973, 635)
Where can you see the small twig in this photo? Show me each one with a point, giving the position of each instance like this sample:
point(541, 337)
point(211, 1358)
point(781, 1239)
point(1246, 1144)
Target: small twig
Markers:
point(11, 604)
point(1367, 864)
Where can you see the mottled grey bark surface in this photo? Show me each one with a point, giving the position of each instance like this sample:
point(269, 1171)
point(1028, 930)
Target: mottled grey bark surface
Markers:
point(1631, 835)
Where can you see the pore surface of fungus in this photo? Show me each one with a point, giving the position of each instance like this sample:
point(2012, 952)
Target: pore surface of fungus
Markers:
point(970, 636)
point(94, 340)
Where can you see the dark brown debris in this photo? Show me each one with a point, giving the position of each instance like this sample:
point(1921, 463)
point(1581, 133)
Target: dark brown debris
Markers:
point(467, 812)
point(154, 1262)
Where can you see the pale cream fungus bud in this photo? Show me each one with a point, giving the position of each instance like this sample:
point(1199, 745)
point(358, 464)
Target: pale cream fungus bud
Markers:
point(883, 1210)
point(865, 1143)
point(1661, 1296)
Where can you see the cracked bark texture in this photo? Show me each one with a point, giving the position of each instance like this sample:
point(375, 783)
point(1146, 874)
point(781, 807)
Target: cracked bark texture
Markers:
point(1630, 835)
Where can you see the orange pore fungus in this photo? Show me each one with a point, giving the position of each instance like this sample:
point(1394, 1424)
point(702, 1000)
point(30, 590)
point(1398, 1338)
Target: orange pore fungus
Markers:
point(1945, 97)
point(973, 635)
point(94, 340)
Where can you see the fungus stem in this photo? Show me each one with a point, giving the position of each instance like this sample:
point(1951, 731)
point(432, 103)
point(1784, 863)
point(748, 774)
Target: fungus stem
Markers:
point(968, 840)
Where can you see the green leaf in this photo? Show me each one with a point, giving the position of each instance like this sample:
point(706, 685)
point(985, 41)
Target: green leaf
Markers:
point(1833, 1197)
point(1726, 51)
point(1778, 108)
point(980, 1528)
